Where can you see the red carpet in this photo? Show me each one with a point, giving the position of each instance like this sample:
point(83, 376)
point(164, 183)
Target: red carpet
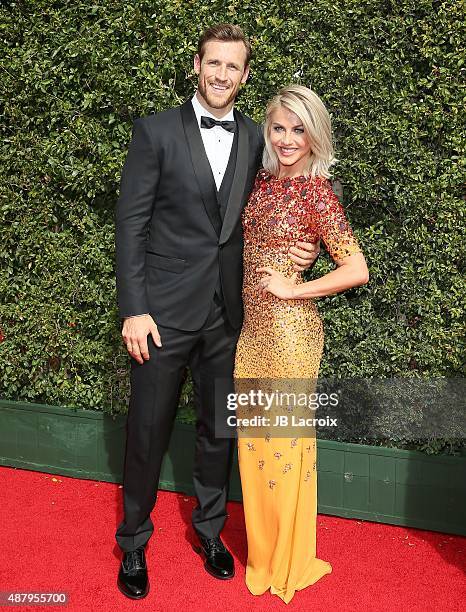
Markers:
point(57, 534)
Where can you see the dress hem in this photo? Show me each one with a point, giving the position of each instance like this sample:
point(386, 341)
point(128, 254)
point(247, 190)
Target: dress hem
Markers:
point(287, 594)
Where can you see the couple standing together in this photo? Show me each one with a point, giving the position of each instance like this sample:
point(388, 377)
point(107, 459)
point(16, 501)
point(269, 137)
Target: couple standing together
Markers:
point(201, 192)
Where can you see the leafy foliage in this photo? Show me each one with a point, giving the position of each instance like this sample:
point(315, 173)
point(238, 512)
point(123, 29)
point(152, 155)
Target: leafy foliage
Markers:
point(75, 75)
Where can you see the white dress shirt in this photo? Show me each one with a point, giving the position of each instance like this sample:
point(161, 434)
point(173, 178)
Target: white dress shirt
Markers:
point(217, 141)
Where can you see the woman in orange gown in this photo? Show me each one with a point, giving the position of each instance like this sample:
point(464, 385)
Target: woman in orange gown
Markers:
point(282, 335)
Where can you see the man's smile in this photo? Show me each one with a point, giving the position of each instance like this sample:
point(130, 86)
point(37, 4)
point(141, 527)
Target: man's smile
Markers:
point(219, 88)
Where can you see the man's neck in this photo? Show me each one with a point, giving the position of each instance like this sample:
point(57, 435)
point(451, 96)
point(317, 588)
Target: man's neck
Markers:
point(216, 112)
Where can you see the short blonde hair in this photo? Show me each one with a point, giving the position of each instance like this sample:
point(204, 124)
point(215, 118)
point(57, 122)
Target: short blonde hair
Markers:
point(315, 118)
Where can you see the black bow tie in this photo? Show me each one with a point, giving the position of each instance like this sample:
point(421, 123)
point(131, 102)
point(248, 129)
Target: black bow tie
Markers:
point(209, 122)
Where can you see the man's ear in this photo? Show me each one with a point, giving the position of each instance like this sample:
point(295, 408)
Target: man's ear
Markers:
point(197, 63)
point(245, 74)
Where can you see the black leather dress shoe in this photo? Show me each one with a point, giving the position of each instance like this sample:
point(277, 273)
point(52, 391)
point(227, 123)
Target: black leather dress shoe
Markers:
point(132, 578)
point(217, 560)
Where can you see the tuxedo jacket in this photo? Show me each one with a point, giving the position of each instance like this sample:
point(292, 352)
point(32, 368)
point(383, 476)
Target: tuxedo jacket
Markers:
point(177, 237)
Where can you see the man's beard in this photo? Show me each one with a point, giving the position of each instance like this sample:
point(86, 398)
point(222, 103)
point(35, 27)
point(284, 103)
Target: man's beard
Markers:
point(214, 102)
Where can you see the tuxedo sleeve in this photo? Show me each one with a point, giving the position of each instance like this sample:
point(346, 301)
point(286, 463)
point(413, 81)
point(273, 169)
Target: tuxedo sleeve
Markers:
point(138, 188)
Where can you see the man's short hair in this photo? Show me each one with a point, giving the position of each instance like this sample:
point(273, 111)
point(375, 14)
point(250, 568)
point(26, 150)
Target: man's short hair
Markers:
point(224, 32)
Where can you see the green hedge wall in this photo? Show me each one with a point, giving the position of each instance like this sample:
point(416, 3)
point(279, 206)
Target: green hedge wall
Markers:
point(74, 76)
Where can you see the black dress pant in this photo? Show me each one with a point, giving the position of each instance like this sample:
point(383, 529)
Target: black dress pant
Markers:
point(155, 386)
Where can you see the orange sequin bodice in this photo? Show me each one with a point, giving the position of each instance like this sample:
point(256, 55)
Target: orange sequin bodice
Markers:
point(284, 338)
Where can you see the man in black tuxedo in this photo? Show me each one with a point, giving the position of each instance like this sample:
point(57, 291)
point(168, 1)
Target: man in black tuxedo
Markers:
point(186, 178)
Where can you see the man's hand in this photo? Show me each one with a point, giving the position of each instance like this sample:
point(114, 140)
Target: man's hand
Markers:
point(135, 331)
point(304, 255)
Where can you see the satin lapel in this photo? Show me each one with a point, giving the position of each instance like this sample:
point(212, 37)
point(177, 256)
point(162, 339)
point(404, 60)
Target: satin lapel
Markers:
point(204, 177)
point(235, 200)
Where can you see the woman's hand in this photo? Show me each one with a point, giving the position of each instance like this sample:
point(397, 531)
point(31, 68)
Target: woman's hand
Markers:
point(276, 283)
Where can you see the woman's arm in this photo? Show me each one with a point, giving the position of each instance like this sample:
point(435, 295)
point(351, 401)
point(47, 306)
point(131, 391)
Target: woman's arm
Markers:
point(351, 271)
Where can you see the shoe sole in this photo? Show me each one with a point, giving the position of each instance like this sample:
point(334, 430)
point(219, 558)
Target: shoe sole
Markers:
point(133, 596)
point(198, 550)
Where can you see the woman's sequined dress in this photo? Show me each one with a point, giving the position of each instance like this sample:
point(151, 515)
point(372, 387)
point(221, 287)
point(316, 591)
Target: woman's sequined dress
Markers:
point(283, 339)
